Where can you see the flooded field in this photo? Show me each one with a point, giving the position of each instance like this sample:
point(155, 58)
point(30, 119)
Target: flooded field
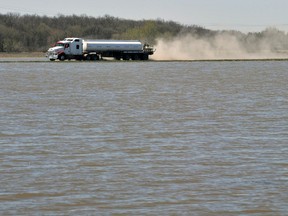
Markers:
point(144, 138)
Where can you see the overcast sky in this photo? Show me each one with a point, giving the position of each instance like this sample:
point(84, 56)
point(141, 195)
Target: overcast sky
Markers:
point(243, 15)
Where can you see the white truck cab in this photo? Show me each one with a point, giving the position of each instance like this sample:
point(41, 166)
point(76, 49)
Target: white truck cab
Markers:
point(65, 49)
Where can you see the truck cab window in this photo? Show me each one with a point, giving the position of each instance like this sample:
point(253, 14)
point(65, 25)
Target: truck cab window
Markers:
point(66, 46)
point(77, 47)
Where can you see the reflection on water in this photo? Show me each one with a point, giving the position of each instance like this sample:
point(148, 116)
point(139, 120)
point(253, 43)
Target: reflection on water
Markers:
point(144, 138)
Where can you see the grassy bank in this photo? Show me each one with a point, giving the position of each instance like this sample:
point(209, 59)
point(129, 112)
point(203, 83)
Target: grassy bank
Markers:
point(21, 54)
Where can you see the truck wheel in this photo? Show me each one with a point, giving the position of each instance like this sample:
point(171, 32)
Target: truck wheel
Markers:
point(94, 58)
point(88, 57)
point(62, 57)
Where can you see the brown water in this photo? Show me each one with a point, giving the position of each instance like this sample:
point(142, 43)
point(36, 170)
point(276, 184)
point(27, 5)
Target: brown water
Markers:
point(144, 138)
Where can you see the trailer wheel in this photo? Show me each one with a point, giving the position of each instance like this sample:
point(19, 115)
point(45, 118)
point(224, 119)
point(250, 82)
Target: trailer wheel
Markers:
point(145, 57)
point(117, 56)
point(126, 57)
point(135, 57)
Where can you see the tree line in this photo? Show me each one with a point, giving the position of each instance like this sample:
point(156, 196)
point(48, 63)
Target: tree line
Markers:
point(37, 33)
point(24, 33)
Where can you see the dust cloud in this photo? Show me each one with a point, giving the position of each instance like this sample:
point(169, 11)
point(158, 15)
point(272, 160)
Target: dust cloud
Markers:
point(271, 44)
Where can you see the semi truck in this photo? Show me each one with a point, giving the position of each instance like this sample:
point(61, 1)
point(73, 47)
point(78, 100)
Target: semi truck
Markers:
point(91, 50)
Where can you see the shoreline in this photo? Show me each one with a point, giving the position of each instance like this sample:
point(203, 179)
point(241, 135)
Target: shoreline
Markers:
point(38, 56)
